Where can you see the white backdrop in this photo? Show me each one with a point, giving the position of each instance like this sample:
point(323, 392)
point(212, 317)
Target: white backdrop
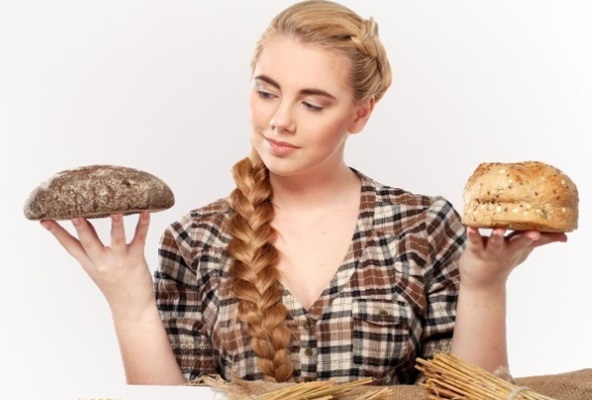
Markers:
point(162, 86)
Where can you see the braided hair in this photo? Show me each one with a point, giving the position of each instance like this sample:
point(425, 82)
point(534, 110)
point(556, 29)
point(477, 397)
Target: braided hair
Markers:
point(255, 277)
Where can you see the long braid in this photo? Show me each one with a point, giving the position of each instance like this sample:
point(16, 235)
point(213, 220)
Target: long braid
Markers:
point(254, 272)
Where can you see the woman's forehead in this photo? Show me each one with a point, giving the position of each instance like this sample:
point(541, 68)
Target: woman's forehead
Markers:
point(292, 62)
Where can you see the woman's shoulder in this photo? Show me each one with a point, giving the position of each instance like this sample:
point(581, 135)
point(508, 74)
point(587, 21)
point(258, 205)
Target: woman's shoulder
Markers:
point(216, 209)
point(398, 210)
point(392, 196)
point(202, 226)
point(197, 242)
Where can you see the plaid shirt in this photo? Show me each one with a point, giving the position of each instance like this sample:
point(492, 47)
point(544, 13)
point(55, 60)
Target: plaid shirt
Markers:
point(393, 299)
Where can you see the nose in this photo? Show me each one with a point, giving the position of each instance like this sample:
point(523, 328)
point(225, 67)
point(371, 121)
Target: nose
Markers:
point(283, 120)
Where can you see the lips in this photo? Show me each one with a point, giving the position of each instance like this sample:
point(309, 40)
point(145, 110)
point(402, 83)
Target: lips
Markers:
point(278, 143)
point(279, 147)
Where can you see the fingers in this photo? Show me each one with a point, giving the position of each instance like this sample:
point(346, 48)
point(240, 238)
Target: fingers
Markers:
point(118, 243)
point(550, 237)
point(521, 240)
point(88, 237)
point(474, 238)
point(494, 243)
point(89, 247)
point(118, 240)
point(69, 242)
point(496, 240)
point(141, 232)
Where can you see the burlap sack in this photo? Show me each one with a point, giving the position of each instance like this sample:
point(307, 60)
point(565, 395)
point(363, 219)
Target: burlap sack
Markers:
point(575, 385)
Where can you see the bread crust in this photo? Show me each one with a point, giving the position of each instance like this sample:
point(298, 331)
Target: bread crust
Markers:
point(529, 195)
point(97, 191)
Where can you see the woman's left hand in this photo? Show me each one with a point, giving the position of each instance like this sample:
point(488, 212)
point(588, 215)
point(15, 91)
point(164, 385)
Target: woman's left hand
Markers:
point(487, 261)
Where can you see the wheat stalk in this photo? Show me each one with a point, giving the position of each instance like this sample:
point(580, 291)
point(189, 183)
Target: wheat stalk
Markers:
point(322, 390)
point(448, 377)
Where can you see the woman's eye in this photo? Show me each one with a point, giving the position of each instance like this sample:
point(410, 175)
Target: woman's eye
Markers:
point(312, 107)
point(265, 95)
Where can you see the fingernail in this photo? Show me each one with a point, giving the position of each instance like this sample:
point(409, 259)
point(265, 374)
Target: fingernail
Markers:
point(77, 221)
point(116, 217)
point(45, 225)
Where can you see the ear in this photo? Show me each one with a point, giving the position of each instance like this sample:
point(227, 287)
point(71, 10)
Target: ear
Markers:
point(361, 115)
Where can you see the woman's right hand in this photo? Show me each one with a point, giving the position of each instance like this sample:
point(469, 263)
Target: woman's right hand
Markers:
point(119, 270)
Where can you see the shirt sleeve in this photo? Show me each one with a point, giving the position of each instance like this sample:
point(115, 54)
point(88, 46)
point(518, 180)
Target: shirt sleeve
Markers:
point(446, 239)
point(181, 304)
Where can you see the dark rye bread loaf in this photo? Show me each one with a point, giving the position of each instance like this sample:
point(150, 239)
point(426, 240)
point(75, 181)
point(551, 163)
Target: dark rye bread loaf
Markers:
point(97, 191)
point(529, 195)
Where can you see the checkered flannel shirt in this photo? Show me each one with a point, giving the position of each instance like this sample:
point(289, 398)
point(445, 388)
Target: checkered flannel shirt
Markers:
point(393, 299)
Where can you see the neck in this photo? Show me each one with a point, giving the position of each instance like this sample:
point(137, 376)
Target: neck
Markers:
point(315, 190)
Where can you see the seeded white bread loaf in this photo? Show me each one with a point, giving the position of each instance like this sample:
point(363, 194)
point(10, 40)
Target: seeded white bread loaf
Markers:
point(97, 191)
point(529, 195)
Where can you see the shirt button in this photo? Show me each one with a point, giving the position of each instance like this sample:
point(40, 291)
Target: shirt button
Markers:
point(382, 312)
point(308, 352)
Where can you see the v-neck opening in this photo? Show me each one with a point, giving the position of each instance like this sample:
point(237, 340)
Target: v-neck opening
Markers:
point(350, 260)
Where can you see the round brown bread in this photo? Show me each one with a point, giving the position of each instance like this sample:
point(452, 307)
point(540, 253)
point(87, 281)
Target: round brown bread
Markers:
point(97, 191)
point(529, 195)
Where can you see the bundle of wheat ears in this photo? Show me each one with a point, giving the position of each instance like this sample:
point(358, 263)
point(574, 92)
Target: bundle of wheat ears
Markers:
point(316, 390)
point(445, 378)
point(324, 390)
point(448, 377)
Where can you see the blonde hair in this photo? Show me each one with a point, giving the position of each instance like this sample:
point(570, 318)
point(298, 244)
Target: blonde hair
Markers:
point(254, 273)
point(337, 28)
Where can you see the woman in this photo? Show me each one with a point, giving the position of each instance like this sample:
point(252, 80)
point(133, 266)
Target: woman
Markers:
point(309, 269)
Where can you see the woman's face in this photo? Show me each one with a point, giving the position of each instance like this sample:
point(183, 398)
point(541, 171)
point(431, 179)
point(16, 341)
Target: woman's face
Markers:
point(302, 107)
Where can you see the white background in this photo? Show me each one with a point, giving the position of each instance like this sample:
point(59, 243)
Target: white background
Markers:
point(162, 86)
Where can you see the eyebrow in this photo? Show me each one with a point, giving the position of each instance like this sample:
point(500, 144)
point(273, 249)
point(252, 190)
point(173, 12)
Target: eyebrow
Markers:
point(308, 91)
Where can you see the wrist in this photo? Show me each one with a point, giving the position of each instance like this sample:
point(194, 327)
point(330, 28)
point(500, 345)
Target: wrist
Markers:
point(483, 296)
point(146, 313)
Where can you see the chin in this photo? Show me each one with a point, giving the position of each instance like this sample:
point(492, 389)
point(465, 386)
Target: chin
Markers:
point(280, 167)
